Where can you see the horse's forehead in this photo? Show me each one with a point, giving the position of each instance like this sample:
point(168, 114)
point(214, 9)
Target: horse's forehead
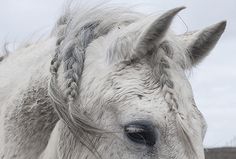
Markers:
point(140, 77)
point(145, 93)
point(136, 79)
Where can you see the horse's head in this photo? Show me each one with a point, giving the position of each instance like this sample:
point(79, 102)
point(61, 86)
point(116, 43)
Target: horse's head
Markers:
point(123, 91)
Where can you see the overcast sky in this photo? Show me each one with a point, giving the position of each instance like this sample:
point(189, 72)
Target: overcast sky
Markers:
point(213, 81)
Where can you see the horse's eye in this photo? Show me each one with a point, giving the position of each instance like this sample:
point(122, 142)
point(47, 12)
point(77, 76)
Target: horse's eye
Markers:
point(141, 132)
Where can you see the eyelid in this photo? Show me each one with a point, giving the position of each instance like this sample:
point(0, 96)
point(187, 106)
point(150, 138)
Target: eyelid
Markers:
point(134, 129)
point(139, 126)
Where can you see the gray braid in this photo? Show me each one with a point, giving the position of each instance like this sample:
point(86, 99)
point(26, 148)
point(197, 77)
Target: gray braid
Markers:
point(72, 55)
point(60, 33)
point(160, 65)
point(167, 87)
point(73, 58)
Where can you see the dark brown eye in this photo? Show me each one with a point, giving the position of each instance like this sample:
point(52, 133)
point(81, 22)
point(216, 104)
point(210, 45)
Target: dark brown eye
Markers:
point(141, 132)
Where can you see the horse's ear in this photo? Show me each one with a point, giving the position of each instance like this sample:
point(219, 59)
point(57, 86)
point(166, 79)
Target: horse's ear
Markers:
point(155, 32)
point(200, 43)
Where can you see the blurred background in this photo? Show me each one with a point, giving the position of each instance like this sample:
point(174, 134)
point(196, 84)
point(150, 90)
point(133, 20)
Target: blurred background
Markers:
point(213, 81)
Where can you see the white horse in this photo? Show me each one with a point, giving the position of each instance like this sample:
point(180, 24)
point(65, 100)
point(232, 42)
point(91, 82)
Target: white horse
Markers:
point(108, 83)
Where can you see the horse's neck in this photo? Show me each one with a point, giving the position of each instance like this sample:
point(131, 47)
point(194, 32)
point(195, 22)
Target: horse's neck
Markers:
point(27, 116)
point(51, 150)
point(61, 142)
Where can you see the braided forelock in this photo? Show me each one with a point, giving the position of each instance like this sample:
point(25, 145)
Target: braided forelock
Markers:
point(70, 53)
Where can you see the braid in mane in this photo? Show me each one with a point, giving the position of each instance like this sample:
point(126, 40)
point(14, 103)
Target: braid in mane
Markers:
point(73, 58)
point(161, 64)
point(71, 55)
